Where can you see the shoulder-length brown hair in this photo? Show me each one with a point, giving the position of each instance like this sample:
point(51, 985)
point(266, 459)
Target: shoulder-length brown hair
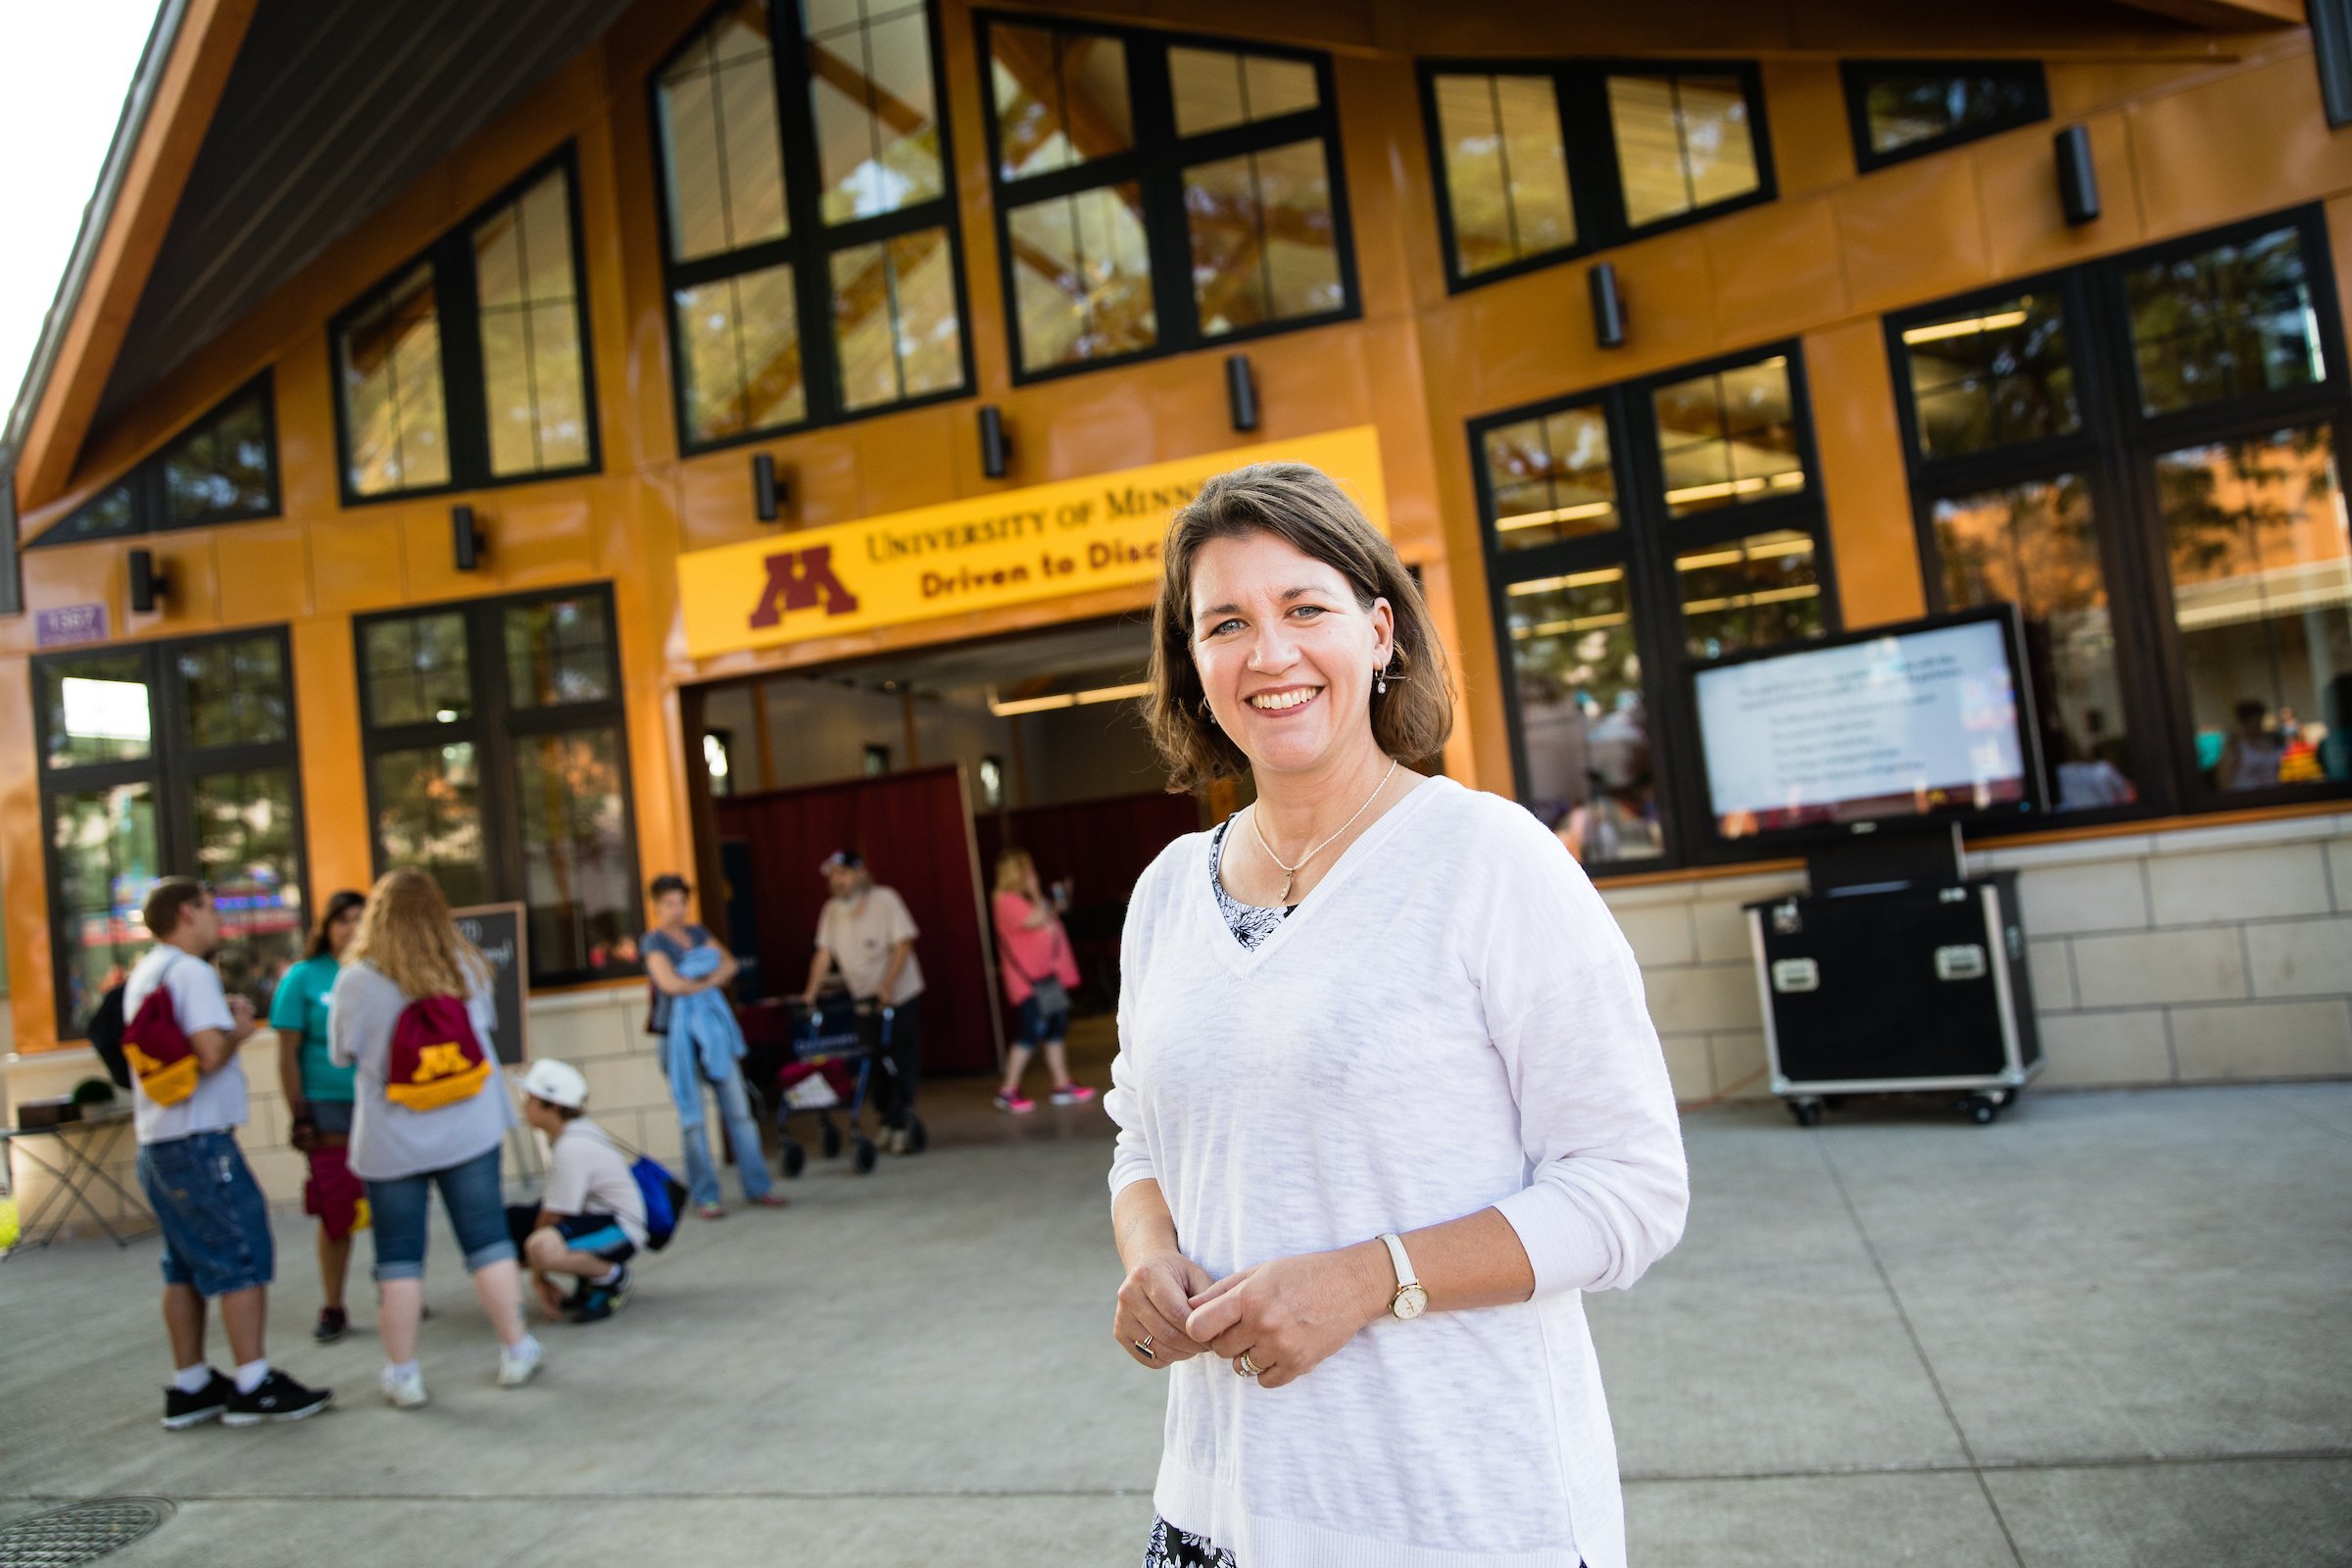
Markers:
point(1298, 504)
point(406, 932)
point(322, 938)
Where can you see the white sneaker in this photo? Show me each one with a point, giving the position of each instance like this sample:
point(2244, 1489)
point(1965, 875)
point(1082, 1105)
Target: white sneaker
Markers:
point(517, 1364)
point(405, 1393)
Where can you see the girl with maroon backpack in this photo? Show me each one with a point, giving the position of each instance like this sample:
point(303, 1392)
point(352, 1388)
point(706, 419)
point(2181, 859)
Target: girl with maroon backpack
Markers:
point(413, 1013)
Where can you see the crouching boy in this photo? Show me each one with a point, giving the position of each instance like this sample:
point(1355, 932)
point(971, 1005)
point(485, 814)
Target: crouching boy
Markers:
point(590, 1220)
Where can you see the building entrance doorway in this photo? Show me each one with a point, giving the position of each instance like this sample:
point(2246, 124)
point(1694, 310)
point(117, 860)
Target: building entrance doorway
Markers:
point(931, 765)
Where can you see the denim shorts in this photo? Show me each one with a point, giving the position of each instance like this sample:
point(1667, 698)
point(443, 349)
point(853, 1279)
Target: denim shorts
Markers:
point(1037, 1025)
point(215, 1221)
point(469, 1191)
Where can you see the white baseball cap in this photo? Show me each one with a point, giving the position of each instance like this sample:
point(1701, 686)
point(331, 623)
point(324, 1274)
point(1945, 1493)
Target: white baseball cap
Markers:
point(558, 1082)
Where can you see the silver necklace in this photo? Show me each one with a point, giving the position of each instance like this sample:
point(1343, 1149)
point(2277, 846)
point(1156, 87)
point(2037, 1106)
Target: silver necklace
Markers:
point(1291, 872)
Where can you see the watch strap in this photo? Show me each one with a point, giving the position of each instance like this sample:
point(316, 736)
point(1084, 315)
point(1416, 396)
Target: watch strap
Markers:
point(1405, 1277)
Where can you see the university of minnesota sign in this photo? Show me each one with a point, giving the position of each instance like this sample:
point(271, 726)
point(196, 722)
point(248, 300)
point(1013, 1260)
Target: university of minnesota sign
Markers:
point(984, 553)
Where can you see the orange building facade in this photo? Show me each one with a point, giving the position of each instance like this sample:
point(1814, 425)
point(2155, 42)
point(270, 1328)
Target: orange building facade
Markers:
point(1868, 369)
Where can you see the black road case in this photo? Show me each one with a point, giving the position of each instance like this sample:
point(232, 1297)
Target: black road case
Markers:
point(1894, 989)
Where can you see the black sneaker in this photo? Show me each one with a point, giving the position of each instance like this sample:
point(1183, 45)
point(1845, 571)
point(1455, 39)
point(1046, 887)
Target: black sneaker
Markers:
point(278, 1398)
point(333, 1324)
point(580, 1291)
point(603, 1300)
point(184, 1411)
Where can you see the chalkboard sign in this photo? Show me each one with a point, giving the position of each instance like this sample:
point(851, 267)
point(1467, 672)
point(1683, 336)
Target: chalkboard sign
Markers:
point(497, 930)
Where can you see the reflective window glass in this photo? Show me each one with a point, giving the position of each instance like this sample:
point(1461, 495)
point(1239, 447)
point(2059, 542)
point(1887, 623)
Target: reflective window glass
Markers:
point(1264, 244)
point(1682, 144)
point(2262, 595)
point(895, 333)
point(559, 651)
point(739, 339)
point(246, 854)
point(428, 813)
point(1748, 593)
point(721, 149)
point(113, 511)
point(221, 468)
point(2035, 545)
point(1589, 773)
point(1910, 107)
point(395, 429)
point(1993, 376)
point(1062, 98)
point(106, 862)
point(534, 380)
point(1506, 168)
point(1082, 277)
point(97, 708)
point(1216, 88)
point(235, 692)
point(1727, 437)
point(877, 128)
point(579, 880)
point(416, 669)
point(2229, 321)
point(1551, 478)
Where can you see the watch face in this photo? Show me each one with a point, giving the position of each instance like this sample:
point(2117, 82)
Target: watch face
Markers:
point(1411, 1302)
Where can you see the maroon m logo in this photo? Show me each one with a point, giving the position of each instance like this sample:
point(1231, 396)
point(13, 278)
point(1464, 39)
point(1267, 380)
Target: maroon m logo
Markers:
point(802, 579)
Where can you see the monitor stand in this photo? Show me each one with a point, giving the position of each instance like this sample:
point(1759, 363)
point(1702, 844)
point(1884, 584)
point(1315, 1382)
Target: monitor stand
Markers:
point(1890, 856)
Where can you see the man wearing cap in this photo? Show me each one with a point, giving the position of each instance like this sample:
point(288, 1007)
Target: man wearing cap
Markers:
point(867, 933)
point(591, 1219)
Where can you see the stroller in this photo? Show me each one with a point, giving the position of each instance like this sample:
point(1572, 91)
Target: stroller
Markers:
point(835, 1049)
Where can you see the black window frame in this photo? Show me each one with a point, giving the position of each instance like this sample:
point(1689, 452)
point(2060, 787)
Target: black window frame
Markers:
point(465, 407)
point(1595, 183)
point(492, 728)
point(1856, 75)
point(172, 764)
point(1156, 163)
point(2115, 449)
point(1646, 542)
point(811, 245)
point(145, 480)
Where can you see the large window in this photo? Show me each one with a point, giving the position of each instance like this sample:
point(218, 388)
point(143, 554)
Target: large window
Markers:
point(1156, 193)
point(469, 365)
point(162, 760)
point(497, 758)
point(223, 468)
point(809, 230)
point(1631, 533)
point(2143, 455)
point(1904, 107)
point(1537, 163)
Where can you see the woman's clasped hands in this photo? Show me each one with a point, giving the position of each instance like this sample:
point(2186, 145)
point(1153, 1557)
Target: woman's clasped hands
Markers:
point(1275, 1321)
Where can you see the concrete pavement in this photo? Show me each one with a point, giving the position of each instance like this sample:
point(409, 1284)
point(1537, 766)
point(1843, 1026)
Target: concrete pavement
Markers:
point(2109, 1330)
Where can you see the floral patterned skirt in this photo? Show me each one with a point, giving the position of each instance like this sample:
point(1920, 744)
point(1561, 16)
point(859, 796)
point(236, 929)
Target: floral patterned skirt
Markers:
point(1172, 1548)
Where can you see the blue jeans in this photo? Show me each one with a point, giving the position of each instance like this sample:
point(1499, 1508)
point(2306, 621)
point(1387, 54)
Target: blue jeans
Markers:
point(751, 1161)
point(215, 1224)
point(470, 1191)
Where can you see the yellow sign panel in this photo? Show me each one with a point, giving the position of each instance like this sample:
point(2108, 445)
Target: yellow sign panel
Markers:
point(1013, 547)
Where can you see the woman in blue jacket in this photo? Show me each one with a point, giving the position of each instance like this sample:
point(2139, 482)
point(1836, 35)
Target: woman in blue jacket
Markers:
point(702, 1044)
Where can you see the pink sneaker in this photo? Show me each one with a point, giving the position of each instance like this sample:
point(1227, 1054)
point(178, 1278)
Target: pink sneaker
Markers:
point(1072, 1095)
point(1014, 1102)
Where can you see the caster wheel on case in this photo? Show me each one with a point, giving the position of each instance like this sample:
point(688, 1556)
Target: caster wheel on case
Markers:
point(1980, 1109)
point(795, 1159)
point(830, 1136)
point(1806, 1111)
point(864, 1154)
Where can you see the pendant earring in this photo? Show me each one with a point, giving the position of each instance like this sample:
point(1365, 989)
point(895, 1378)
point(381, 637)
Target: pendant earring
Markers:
point(1379, 680)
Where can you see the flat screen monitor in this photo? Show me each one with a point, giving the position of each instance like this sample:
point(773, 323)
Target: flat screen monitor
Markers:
point(1927, 721)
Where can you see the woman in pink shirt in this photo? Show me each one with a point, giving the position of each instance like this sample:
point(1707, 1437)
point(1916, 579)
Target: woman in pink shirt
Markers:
point(1034, 958)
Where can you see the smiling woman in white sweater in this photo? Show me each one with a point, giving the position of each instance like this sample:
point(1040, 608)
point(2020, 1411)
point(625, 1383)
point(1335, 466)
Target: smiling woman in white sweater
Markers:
point(1387, 1097)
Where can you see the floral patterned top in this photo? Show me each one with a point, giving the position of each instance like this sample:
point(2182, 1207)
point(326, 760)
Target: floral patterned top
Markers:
point(1250, 923)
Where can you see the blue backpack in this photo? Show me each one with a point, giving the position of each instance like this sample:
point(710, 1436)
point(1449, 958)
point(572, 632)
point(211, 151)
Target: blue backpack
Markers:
point(664, 1194)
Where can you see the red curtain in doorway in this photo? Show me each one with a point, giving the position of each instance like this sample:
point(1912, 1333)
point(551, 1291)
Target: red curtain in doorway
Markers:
point(1101, 847)
point(914, 829)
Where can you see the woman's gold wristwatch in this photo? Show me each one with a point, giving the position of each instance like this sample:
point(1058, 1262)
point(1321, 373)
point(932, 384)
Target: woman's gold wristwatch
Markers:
point(1410, 1300)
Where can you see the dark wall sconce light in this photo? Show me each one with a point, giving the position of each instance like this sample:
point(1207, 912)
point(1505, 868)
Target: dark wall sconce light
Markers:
point(768, 493)
point(2077, 177)
point(467, 539)
point(147, 584)
point(1608, 306)
point(996, 447)
point(1240, 391)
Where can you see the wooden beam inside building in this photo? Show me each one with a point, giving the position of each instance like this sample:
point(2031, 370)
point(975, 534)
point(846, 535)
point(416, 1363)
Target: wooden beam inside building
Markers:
point(2226, 15)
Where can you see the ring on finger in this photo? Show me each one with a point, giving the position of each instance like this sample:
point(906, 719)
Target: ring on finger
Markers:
point(1145, 1345)
point(1247, 1367)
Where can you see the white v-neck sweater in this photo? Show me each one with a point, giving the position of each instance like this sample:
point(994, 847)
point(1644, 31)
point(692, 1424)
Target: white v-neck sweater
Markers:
point(1450, 1021)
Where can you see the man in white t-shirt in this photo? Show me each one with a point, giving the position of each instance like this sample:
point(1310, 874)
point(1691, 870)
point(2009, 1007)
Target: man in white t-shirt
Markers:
point(215, 1223)
point(868, 933)
point(590, 1220)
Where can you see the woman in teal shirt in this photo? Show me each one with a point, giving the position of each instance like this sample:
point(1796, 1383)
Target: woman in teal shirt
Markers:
point(319, 1095)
